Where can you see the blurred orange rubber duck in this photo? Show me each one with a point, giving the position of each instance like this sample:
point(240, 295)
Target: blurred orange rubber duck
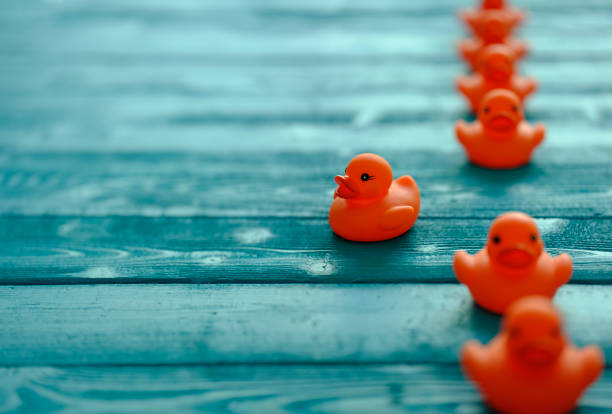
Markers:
point(510, 16)
point(530, 367)
point(492, 28)
point(500, 137)
point(369, 205)
point(512, 265)
point(495, 71)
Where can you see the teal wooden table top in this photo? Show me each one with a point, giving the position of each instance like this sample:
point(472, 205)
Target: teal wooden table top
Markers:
point(166, 169)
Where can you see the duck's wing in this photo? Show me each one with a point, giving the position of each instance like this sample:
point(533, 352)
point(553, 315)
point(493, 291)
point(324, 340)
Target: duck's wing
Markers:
point(396, 217)
point(531, 135)
point(523, 86)
point(469, 17)
point(468, 49)
point(517, 17)
point(466, 133)
point(464, 267)
point(471, 86)
point(563, 268)
point(592, 363)
point(520, 47)
point(539, 131)
point(474, 359)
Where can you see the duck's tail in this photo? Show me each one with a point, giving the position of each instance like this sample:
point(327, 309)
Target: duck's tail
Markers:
point(407, 181)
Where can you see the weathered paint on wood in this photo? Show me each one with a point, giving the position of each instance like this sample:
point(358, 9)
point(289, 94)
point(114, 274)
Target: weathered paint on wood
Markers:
point(345, 120)
point(55, 250)
point(204, 324)
point(270, 99)
point(254, 389)
point(140, 76)
point(557, 184)
point(410, 120)
point(317, 107)
point(241, 28)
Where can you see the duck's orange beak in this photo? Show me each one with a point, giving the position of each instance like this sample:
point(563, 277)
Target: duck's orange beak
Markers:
point(517, 256)
point(344, 190)
point(502, 121)
point(498, 75)
point(538, 353)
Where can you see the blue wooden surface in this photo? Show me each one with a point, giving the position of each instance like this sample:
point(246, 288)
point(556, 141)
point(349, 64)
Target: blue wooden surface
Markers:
point(295, 389)
point(150, 146)
point(560, 183)
point(134, 249)
point(272, 323)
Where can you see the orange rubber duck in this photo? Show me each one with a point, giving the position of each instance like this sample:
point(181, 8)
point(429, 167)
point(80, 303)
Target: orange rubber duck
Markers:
point(475, 18)
point(530, 367)
point(491, 29)
point(369, 205)
point(495, 71)
point(500, 138)
point(512, 265)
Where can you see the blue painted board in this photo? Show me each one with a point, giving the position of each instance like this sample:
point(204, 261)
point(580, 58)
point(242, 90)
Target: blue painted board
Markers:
point(131, 249)
point(129, 75)
point(558, 184)
point(241, 27)
point(196, 142)
point(253, 389)
point(253, 324)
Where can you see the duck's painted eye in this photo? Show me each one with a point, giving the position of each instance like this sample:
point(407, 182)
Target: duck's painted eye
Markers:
point(486, 110)
point(496, 239)
point(534, 237)
point(365, 177)
point(515, 332)
point(515, 108)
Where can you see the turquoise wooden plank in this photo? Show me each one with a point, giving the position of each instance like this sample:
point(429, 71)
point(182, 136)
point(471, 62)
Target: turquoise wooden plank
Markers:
point(349, 131)
point(316, 8)
point(254, 389)
point(68, 250)
point(293, 136)
point(398, 85)
point(129, 28)
point(239, 324)
point(579, 112)
point(108, 97)
point(319, 8)
point(68, 85)
point(558, 184)
point(266, 83)
point(327, 112)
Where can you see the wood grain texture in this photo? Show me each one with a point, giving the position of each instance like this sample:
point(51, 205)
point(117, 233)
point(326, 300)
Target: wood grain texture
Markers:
point(558, 183)
point(67, 250)
point(253, 389)
point(241, 324)
point(196, 141)
point(128, 75)
point(315, 106)
point(241, 27)
point(411, 121)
